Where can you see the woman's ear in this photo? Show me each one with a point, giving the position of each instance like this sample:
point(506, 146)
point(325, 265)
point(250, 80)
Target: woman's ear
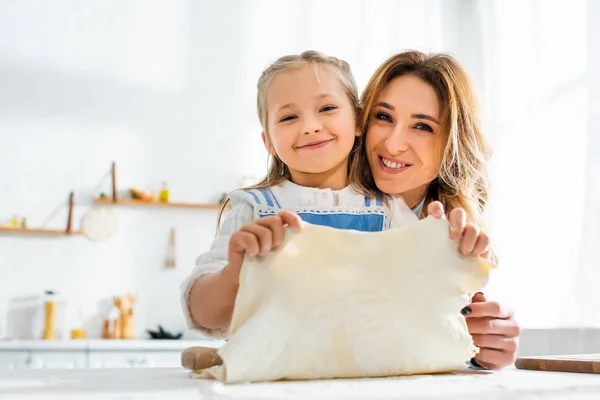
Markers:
point(268, 144)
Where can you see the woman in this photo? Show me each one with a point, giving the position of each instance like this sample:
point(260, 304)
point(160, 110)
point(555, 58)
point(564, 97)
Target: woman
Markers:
point(422, 142)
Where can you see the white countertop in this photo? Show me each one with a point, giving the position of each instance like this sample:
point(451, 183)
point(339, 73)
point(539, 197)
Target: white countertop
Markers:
point(105, 344)
point(176, 384)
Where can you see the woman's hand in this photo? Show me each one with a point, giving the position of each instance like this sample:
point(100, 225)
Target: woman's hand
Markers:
point(258, 237)
point(494, 330)
point(471, 240)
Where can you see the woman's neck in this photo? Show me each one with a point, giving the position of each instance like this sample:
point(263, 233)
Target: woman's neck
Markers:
point(413, 197)
point(334, 179)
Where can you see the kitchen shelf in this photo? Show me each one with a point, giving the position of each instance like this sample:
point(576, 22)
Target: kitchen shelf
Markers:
point(68, 231)
point(114, 200)
point(38, 231)
point(141, 203)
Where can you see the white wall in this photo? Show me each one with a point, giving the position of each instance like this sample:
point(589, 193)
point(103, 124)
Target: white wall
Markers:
point(541, 94)
point(167, 90)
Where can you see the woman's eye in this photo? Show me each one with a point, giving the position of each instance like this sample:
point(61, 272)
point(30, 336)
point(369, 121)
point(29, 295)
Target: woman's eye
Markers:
point(328, 108)
point(383, 117)
point(423, 127)
point(288, 118)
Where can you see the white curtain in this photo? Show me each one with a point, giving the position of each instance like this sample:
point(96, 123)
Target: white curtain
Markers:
point(544, 214)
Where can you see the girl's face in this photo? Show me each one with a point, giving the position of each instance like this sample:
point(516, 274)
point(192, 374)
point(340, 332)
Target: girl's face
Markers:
point(311, 125)
point(404, 141)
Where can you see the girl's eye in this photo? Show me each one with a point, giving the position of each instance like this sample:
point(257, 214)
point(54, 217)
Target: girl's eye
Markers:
point(383, 117)
point(328, 108)
point(288, 118)
point(423, 127)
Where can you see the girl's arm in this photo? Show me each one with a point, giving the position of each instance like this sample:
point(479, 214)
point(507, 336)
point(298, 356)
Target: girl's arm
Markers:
point(208, 294)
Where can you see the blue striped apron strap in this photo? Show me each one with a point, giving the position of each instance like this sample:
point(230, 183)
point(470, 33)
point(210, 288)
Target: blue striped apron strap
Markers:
point(274, 198)
point(367, 201)
point(267, 196)
point(256, 198)
point(379, 203)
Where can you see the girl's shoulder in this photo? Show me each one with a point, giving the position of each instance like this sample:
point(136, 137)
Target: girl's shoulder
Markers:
point(254, 197)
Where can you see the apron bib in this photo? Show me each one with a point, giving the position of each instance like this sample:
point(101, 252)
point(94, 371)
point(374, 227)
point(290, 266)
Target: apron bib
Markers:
point(370, 218)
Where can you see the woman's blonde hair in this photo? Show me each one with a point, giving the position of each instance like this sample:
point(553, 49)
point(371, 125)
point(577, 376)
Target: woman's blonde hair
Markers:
point(462, 180)
point(278, 171)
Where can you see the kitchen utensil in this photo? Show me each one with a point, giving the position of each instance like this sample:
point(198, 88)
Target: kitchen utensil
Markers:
point(99, 224)
point(199, 357)
point(170, 260)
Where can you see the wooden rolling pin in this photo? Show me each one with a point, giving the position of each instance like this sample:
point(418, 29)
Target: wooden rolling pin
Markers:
point(198, 357)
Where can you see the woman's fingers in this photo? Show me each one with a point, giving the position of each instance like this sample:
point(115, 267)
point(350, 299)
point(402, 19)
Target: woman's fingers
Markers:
point(468, 239)
point(482, 245)
point(493, 326)
point(458, 221)
point(502, 343)
point(494, 359)
point(436, 209)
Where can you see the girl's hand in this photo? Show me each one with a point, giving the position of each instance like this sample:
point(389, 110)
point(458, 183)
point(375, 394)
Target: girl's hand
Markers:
point(259, 237)
point(494, 330)
point(471, 241)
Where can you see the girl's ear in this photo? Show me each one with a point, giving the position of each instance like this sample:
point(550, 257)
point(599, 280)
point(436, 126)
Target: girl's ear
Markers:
point(268, 144)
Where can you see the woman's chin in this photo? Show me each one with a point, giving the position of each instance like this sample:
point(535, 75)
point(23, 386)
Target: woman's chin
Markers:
point(389, 187)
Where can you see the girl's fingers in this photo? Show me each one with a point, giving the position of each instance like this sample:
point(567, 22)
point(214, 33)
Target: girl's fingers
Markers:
point(458, 221)
point(290, 219)
point(262, 234)
point(275, 225)
point(241, 243)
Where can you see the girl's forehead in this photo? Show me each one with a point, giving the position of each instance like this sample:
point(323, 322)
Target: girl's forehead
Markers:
point(303, 83)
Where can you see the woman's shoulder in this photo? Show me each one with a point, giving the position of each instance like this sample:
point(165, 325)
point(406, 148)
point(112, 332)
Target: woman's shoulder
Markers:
point(401, 213)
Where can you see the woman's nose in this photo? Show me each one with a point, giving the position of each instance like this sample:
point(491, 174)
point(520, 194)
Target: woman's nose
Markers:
point(397, 141)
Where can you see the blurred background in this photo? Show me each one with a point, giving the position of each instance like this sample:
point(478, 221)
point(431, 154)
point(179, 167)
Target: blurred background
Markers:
point(166, 91)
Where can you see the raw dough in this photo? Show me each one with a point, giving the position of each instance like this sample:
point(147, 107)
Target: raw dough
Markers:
point(335, 303)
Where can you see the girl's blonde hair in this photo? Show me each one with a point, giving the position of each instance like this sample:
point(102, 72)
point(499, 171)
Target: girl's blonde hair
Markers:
point(462, 180)
point(278, 171)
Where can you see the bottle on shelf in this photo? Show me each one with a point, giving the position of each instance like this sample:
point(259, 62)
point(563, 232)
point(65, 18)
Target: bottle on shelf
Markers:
point(50, 308)
point(163, 196)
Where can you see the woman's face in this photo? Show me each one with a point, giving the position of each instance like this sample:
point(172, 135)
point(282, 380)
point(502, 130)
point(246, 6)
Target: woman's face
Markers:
point(404, 141)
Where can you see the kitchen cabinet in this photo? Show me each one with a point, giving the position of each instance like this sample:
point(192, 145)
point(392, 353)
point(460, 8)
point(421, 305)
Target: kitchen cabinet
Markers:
point(116, 359)
point(14, 360)
point(57, 359)
point(96, 354)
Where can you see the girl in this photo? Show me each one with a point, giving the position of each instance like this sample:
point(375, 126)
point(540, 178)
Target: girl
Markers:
point(423, 144)
point(308, 107)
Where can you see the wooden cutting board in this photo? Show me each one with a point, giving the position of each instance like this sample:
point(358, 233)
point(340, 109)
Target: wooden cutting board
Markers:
point(582, 363)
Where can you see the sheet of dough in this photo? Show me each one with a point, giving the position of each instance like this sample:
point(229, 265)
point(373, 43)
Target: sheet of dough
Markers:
point(335, 303)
